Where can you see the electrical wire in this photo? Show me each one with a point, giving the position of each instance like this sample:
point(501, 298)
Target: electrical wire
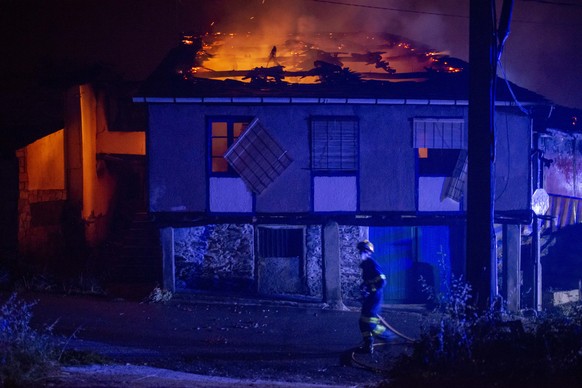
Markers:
point(390, 9)
point(519, 105)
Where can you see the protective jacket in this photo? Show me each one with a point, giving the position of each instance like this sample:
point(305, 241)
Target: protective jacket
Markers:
point(373, 282)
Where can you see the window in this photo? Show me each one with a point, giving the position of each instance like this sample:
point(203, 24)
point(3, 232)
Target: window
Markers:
point(439, 133)
point(224, 131)
point(334, 144)
point(441, 146)
point(280, 242)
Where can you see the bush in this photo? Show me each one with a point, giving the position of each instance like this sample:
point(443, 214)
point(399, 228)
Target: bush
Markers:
point(25, 354)
point(459, 347)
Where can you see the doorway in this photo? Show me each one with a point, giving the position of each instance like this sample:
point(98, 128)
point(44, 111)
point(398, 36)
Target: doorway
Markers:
point(407, 253)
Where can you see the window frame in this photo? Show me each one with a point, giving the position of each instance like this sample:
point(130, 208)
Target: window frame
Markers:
point(442, 143)
point(230, 139)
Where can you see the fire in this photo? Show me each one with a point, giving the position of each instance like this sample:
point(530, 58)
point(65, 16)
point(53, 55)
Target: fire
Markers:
point(302, 59)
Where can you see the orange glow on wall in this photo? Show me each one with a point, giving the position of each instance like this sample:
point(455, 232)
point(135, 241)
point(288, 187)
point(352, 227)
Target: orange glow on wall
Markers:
point(423, 153)
point(45, 163)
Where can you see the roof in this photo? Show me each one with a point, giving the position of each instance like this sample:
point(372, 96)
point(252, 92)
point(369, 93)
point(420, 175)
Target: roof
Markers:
point(184, 73)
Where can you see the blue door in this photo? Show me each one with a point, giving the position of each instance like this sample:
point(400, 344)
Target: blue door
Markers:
point(408, 252)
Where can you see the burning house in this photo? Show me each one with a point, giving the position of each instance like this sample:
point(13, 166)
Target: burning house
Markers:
point(268, 160)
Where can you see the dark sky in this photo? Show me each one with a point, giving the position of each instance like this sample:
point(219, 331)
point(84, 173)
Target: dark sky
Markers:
point(543, 53)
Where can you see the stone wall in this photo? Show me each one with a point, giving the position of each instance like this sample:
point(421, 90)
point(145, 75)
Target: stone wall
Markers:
point(314, 260)
point(222, 258)
point(351, 275)
point(215, 257)
point(40, 216)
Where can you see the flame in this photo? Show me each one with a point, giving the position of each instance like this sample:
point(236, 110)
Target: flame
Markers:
point(295, 57)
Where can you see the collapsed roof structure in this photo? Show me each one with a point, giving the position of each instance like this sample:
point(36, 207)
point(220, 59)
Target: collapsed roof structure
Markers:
point(355, 65)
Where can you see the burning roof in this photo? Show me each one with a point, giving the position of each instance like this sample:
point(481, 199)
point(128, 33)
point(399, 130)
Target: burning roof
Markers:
point(326, 65)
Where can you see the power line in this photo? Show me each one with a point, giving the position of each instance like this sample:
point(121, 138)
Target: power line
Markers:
point(556, 3)
point(448, 14)
point(390, 9)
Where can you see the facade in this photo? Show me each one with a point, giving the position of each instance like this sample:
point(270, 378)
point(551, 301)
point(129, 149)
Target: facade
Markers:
point(264, 187)
point(73, 185)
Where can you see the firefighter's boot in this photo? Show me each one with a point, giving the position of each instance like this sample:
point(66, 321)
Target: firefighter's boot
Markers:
point(369, 345)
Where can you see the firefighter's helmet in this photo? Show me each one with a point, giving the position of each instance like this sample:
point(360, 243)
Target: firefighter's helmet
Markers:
point(365, 246)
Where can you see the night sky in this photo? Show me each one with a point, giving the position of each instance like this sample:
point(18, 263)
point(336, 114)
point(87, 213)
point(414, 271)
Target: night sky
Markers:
point(543, 53)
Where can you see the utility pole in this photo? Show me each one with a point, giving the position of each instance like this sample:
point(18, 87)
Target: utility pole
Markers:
point(481, 255)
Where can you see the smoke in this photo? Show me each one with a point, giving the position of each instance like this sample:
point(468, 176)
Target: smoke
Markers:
point(543, 52)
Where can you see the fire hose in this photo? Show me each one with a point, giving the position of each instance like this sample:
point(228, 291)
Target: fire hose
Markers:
point(398, 333)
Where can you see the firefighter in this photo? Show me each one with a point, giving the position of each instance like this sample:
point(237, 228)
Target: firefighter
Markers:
point(373, 282)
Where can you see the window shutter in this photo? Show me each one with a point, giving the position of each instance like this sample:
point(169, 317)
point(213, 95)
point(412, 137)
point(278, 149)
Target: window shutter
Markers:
point(257, 157)
point(334, 144)
point(439, 133)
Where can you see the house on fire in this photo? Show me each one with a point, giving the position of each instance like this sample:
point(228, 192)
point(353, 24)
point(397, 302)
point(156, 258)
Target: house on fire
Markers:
point(262, 166)
point(268, 163)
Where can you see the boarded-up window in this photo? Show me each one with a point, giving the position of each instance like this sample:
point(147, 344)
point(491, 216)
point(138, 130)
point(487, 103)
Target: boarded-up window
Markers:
point(257, 157)
point(334, 144)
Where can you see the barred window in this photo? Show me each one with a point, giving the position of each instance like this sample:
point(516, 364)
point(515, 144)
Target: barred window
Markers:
point(334, 144)
point(280, 242)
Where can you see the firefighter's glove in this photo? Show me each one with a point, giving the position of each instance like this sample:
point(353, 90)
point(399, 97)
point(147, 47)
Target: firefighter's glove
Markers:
point(364, 291)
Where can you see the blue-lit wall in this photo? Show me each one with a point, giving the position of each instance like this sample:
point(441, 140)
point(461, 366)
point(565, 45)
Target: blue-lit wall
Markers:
point(177, 153)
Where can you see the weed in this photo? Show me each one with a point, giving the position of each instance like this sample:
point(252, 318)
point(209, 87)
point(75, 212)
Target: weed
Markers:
point(25, 354)
point(459, 347)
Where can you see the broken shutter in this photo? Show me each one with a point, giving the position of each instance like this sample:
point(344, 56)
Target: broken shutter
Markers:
point(257, 157)
point(453, 186)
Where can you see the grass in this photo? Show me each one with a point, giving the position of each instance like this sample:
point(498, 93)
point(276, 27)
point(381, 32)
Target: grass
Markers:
point(28, 356)
point(460, 347)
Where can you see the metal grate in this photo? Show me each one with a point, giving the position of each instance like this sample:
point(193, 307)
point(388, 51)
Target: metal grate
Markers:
point(257, 157)
point(280, 242)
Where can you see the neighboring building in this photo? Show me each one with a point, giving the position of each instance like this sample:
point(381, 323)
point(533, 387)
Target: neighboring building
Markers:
point(264, 187)
point(78, 185)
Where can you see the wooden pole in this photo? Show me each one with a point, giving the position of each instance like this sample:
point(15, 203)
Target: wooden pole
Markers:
point(481, 257)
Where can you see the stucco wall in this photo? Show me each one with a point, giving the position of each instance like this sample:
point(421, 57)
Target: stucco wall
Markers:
point(177, 147)
point(512, 161)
